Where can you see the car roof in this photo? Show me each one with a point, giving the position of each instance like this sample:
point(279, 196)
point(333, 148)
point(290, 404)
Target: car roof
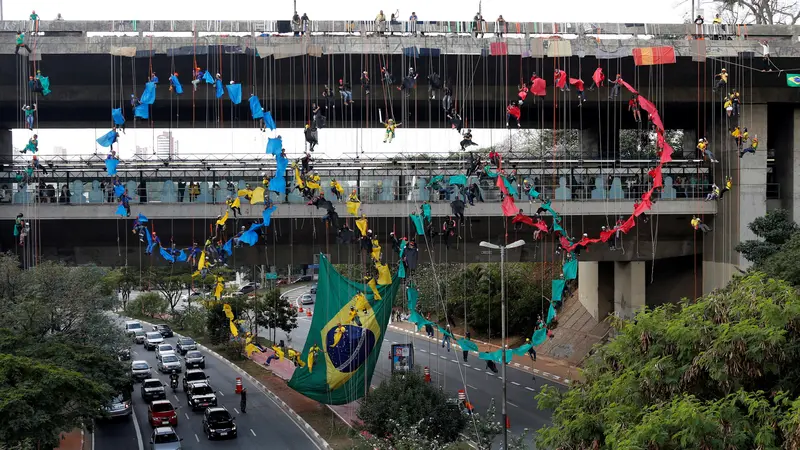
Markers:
point(140, 361)
point(195, 371)
point(216, 409)
point(161, 402)
point(130, 322)
point(165, 343)
point(151, 379)
point(199, 383)
point(168, 354)
point(164, 430)
point(155, 332)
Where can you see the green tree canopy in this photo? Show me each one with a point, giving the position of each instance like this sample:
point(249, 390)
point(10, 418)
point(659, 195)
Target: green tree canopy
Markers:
point(274, 312)
point(774, 230)
point(404, 401)
point(721, 373)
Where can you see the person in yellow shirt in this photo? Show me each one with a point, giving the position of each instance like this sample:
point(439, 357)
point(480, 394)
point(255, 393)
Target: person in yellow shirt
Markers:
point(698, 224)
point(390, 127)
point(312, 355)
point(235, 205)
point(337, 189)
point(278, 355)
point(294, 357)
point(722, 80)
point(337, 335)
point(752, 149)
point(728, 106)
point(717, 20)
point(702, 145)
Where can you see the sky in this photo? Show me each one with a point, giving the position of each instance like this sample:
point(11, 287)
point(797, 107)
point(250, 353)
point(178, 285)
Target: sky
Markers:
point(621, 11)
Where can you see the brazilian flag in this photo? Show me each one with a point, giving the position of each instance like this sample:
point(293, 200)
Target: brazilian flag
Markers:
point(793, 80)
point(348, 326)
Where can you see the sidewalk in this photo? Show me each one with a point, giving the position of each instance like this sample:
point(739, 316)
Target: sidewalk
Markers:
point(553, 369)
point(75, 440)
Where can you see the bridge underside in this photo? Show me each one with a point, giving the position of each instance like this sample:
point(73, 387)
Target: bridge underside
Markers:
point(110, 242)
point(481, 85)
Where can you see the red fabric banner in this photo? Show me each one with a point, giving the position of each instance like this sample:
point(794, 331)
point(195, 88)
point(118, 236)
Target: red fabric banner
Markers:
point(538, 86)
point(649, 56)
point(598, 76)
point(577, 82)
point(655, 174)
point(522, 218)
point(560, 79)
point(509, 208)
point(498, 48)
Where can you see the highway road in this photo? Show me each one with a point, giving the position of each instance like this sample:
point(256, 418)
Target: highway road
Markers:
point(264, 426)
point(449, 371)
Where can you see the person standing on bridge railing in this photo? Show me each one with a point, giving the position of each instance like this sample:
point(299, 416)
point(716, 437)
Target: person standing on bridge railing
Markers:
point(34, 21)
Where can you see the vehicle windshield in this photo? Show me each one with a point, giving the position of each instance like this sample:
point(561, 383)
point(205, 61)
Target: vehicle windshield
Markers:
point(194, 376)
point(202, 390)
point(169, 358)
point(219, 416)
point(194, 354)
point(152, 384)
point(140, 366)
point(187, 341)
point(165, 348)
point(134, 326)
point(163, 327)
point(162, 407)
point(166, 438)
point(154, 335)
point(118, 399)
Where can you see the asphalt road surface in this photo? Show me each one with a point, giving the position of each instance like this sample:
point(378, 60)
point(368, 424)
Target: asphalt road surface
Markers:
point(449, 371)
point(264, 426)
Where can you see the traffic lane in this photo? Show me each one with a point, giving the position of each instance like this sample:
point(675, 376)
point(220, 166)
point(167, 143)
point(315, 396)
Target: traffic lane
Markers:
point(450, 372)
point(263, 417)
point(116, 434)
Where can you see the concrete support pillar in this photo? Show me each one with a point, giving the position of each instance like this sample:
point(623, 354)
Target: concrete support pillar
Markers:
point(596, 288)
point(629, 288)
point(746, 201)
point(590, 143)
point(6, 147)
point(689, 142)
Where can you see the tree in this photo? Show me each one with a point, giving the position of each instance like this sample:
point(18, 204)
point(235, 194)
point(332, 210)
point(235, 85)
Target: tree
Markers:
point(169, 282)
point(218, 324)
point(123, 280)
point(274, 312)
point(718, 373)
point(406, 400)
point(150, 304)
point(774, 229)
point(762, 12)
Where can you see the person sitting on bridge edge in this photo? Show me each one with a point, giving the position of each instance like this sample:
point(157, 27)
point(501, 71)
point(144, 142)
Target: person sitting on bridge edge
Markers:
point(617, 82)
point(633, 107)
point(722, 80)
point(465, 142)
point(512, 110)
point(346, 91)
point(753, 147)
point(390, 127)
point(365, 82)
point(715, 193)
point(311, 136)
point(702, 145)
point(29, 115)
point(21, 43)
point(698, 224)
point(33, 145)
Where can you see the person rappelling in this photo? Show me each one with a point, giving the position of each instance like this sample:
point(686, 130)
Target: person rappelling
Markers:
point(617, 82)
point(35, 85)
point(722, 80)
point(753, 147)
point(311, 136)
point(235, 205)
point(29, 111)
point(409, 82)
point(365, 82)
point(522, 93)
point(447, 99)
point(33, 145)
point(597, 78)
point(702, 146)
point(346, 91)
point(20, 41)
point(714, 194)
point(698, 224)
point(434, 84)
point(513, 111)
point(467, 139)
point(318, 120)
point(578, 83)
point(390, 126)
point(456, 122)
point(386, 75)
point(634, 108)
point(560, 80)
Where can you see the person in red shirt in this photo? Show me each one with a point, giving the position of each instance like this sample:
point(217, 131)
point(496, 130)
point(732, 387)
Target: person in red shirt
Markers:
point(633, 106)
point(560, 80)
point(512, 110)
point(523, 93)
point(578, 83)
point(597, 78)
point(617, 82)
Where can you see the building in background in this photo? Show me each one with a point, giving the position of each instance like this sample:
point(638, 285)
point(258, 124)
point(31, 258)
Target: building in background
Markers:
point(142, 152)
point(165, 146)
point(60, 151)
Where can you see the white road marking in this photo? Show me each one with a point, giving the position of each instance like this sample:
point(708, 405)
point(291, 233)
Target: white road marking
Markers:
point(453, 360)
point(138, 430)
point(423, 350)
point(221, 393)
point(467, 365)
point(489, 373)
point(530, 389)
point(176, 397)
point(477, 369)
point(471, 386)
point(237, 411)
point(196, 438)
point(515, 383)
point(443, 357)
point(512, 404)
point(251, 430)
point(187, 416)
point(434, 354)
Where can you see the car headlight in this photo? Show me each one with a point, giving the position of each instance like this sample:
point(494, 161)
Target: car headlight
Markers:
point(211, 430)
point(233, 427)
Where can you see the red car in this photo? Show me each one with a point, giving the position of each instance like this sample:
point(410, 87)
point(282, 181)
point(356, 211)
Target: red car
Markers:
point(161, 413)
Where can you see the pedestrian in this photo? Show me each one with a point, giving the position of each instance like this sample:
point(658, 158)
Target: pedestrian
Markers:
point(465, 351)
point(243, 401)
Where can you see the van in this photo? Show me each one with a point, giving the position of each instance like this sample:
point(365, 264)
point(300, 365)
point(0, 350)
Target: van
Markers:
point(131, 326)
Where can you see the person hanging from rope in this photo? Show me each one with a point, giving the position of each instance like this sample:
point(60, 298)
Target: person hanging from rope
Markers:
point(722, 81)
point(531, 350)
point(456, 122)
point(409, 82)
point(33, 145)
point(154, 78)
point(18, 225)
point(175, 84)
point(395, 242)
point(597, 78)
point(446, 337)
point(29, 115)
point(715, 193)
point(434, 84)
point(390, 127)
point(474, 192)
point(449, 228)
point(365, 82)
point(386, 76)
point(139, 229)
point(736, 102)
point(35, 85)
point(21, 43)
point(752, 149)
point(197, 77)
point(560, 80)
point(698, 224)
point(474, 162)
point(727, 187)
point(318, 120)
point(512, 110)
point(125, 201)
point(327, 98)
point(346, 91)
point(312, 356)
point(765, 61)
point(728, 107)
point(522, 93)
point(617, 82)
point(235, 205)
point(337, 189)
point(541, 228)
point(491, 365)
point(642, 215)
point(305, 163)
point(578, 83)
point(457, 206)
point(311, 136)
point(237, 238)
point(25, 228)
point(447, 99)
point(742, 138)
point(467, 139)
point(633, 107)
point(702, 146)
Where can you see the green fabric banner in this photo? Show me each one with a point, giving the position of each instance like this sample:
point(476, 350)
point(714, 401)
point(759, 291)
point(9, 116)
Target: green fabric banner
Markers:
point(793, 80)
point(350, 343)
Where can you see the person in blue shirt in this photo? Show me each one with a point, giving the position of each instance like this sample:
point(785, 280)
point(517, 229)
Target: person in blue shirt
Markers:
point(154, 78)
point(125, 202)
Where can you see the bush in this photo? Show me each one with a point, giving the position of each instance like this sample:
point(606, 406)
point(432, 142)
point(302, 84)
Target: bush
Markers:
point(149, 304)
point(406, 400)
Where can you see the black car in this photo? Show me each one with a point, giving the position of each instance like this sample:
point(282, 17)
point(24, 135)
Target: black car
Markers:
point(248, 288)
point(185, 344)
point(193, 375)
point(164, 329)
point(201, 395)
point(194, 359)
point(153, 389)
point(218, 423)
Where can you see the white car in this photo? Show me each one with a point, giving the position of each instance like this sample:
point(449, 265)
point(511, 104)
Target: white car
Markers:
point(306, 299)
point(131, 326)
point(152, 340)
point(169, 362)
point(164, 348)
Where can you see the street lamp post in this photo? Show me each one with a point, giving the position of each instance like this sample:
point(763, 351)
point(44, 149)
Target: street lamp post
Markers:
point(503, 249)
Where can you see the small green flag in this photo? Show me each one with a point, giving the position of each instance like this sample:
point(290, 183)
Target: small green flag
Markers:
point(793, 80)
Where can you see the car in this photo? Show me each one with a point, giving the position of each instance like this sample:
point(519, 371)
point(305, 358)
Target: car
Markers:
point(218, 423)
point(248, 288)
point(185, 344)
point(306, 299)
point(303, 278)
point(124, 354)
point(138, 336)
point(201, 395)
point(164, 348)
point(192, 376)
point(193, 359)
point(169, 362)
point(152, 339)
point(153, 389)
point(131, 326)
point(161, 412)
point(164, 329)
point(119, 406)
point(165, 438)
point(140, 370)
point(313, 290)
